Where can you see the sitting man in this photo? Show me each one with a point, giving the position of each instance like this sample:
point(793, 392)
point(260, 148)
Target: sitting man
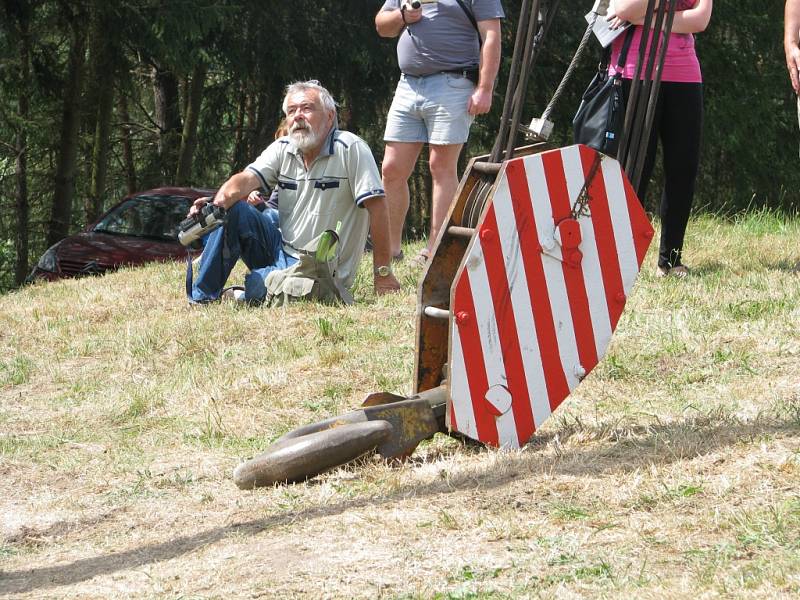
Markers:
point(325, 177)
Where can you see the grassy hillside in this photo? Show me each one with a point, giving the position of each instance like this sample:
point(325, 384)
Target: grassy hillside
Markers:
point(672, 472)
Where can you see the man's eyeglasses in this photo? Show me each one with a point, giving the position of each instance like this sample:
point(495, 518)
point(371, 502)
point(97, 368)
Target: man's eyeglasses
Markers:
point(305, 109)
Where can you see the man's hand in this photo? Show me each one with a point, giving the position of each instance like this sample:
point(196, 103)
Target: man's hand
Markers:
point(198, 205)
point(255, 198)
point(385, 284)
point(793, 65)
point(480, 102)
point(410, 15)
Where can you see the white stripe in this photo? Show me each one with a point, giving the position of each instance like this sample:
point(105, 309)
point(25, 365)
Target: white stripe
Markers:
point(459, 389)
point(520, 299)
point(490, 341)
point(553, 272)
point(621, 224)
point(592, 274)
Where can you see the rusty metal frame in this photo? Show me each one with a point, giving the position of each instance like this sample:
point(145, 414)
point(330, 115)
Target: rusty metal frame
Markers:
point(433, 317)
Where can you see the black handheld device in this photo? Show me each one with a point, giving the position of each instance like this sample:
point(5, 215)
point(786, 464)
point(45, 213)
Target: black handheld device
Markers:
point(206, 220)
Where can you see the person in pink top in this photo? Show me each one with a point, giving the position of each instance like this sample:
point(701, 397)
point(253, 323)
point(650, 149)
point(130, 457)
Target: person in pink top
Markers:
point(678, 121)
point(791, 42)
point(791, 45)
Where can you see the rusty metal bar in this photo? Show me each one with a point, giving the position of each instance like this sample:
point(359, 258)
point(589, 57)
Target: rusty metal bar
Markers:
point(457, 231)
point(631, 116)
point(654, 90)
point(436, 313)
point(513, 79)
point(527, 65)
point(487, 168)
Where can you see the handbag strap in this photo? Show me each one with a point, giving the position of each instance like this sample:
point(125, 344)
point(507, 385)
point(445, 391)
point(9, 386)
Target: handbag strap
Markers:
point(623, 53)
point(626, 45)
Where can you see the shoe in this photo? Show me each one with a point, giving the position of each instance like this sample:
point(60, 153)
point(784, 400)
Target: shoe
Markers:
point(422, 257)
point(200, 303)
point(235, 293)
point(679, 271)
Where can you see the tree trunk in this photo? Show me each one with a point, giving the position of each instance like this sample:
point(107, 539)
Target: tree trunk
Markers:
point(239, 137)
point(183, 175)
point(102, 64)
point(97, 193)
point(21, 143)
point(127, 147)
point(168, 120)
point(61, 214)
point(264, 131)
point(252, 125)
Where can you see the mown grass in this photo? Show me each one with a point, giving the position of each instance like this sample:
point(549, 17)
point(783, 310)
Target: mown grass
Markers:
point(671, 472)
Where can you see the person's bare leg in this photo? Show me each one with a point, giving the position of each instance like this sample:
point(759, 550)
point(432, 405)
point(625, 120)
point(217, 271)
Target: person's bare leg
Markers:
point(444, 173)
point(398, 163)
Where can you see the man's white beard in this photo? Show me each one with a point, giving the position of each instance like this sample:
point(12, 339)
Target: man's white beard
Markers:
point(305, 139)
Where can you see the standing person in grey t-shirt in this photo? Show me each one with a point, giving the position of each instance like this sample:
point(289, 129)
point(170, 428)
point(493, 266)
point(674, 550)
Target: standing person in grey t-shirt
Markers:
point(447, 77)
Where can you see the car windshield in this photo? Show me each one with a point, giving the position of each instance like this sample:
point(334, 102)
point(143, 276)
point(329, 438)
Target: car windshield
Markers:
point(153, 217)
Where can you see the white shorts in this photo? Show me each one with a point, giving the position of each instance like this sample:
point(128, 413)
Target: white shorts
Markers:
point(431, 109)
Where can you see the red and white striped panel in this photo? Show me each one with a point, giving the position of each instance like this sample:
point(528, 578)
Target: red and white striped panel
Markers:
point(539, 294)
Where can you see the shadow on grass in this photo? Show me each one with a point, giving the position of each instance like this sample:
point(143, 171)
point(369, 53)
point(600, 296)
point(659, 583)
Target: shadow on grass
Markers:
point(623, 449)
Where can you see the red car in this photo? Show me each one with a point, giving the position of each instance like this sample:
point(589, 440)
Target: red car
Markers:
point(142, 228)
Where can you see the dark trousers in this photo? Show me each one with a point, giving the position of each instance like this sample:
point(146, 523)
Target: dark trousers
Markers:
point(678, 124)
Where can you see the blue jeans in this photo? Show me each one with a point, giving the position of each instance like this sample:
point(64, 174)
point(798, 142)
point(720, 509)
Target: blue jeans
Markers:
point(250, 235)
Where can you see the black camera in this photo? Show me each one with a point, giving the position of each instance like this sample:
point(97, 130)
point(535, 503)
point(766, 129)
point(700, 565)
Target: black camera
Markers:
point(195, 226)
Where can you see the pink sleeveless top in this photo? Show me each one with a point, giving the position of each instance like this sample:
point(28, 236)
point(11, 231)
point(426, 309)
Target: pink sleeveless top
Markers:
point(680, 65)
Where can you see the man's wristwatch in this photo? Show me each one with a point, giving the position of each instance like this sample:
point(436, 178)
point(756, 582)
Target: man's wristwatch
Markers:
point(383, 271)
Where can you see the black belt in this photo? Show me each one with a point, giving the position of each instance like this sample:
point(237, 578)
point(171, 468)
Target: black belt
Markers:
point(472, 74)
point(468, 73)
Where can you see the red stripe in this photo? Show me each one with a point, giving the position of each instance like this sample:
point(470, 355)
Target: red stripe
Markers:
point(604, 238)
point(453, 422)
point(556, 382)
point(640, 225)
point(507, 327)
point(474, 366)
point(573, 275)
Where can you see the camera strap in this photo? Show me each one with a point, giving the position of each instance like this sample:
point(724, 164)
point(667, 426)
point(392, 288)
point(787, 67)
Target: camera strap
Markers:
point(189, 274)
point(472, 20)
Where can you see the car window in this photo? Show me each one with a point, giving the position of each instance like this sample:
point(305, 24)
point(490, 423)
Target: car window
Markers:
point(154, 217)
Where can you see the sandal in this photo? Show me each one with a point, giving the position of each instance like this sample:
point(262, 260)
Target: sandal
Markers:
point(422, 257)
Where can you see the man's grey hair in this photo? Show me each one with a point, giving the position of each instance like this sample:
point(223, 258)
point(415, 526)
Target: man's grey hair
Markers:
point(328, 103)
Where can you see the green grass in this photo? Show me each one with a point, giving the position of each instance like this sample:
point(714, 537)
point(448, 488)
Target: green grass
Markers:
point(671, 472)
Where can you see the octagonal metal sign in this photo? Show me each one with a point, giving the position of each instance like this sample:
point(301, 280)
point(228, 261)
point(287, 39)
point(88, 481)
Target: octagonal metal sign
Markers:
point(540, 290)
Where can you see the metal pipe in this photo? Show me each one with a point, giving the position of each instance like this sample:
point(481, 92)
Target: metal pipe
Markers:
point(513, 78)
point(522, 85)
point(651, 38)
point(653, 99)
point(633, 96)
point(436, 313)
point(457, 231)
point(487, 168)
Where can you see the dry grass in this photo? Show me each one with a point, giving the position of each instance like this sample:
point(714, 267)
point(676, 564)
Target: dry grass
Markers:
point(673, 471)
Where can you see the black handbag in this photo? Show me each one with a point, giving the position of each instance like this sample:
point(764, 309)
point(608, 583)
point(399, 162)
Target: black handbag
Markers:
point(601, 115)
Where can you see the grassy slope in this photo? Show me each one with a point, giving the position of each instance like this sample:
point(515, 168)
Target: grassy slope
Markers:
point(672, 472)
